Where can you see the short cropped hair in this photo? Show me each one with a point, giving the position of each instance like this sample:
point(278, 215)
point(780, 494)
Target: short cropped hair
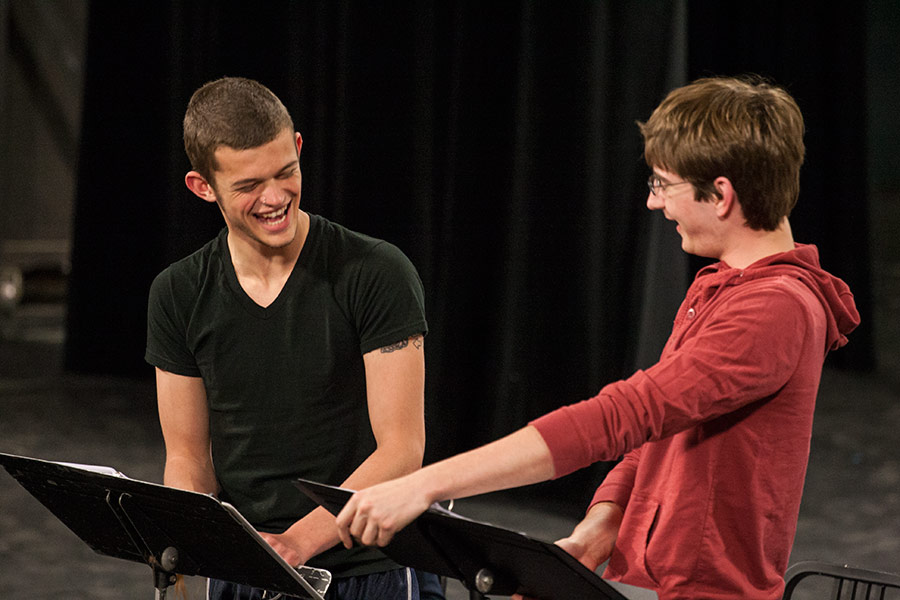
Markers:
point(745, 129)
point(235, 112)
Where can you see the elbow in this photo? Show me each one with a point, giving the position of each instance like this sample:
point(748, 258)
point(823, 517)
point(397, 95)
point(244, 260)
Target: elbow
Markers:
point(415, 455)
point(406, 455)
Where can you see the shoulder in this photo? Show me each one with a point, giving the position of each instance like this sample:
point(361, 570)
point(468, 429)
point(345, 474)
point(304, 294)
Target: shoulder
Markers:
point(781, 303)
point(335, 235)
point(784, 287)
point(189, 272)
point(356, 251)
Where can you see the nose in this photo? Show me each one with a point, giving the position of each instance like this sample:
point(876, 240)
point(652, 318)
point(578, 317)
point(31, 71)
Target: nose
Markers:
point(270, 194)
point(655, 201)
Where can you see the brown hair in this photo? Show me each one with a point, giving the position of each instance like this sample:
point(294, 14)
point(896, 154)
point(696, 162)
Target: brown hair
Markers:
point(235, 112)
point(745, 129)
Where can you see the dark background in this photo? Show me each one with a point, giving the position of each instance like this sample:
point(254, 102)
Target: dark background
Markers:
point(495, 143)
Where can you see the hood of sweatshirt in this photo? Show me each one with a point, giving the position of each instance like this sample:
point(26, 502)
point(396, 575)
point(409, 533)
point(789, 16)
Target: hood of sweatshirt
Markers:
point(801, 263)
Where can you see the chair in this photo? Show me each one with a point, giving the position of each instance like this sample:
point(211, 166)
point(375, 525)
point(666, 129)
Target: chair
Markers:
point(847, 583)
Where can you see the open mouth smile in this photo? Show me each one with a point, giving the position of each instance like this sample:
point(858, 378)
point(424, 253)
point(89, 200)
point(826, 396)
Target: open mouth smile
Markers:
point(274, 218)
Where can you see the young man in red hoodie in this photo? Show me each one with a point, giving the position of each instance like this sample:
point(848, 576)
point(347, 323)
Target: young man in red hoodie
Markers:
point(715, 436)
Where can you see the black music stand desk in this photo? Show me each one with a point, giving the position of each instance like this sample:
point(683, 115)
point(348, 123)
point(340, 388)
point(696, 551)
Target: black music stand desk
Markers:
point(487, 558)
point(173, 531)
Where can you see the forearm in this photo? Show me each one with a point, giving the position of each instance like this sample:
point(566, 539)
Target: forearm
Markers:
point(619, 482)
point(521, 458)
point(375, 514)
point(190, 474)
point(317, 531)
point(387, 462)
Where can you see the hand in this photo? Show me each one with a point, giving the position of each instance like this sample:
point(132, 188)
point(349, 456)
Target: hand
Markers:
point(285, 547)
point(375, 514)
point(592, 540)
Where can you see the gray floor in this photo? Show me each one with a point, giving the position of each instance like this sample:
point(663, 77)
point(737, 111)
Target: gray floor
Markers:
point(850, 513)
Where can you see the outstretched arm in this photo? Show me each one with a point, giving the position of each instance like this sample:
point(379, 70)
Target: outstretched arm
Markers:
point(375, 514)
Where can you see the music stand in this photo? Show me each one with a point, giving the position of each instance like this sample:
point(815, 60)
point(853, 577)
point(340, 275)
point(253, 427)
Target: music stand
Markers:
point(487, 558)
point(173, 531)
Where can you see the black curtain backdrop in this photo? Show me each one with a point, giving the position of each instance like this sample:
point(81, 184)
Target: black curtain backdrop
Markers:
point(495, 143)
point(818, 54)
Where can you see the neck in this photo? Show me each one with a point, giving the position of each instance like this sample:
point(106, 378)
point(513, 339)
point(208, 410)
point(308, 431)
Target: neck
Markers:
point(752, 245)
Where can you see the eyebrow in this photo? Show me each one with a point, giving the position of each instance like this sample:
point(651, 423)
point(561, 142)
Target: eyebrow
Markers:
point(660, 177)
point(254, 180)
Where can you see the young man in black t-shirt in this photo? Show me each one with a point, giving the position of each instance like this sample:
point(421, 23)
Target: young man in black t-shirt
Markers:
point(287, 347)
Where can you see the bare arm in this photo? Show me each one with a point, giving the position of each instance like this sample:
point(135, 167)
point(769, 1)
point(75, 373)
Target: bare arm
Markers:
point(184, 418)
point(374, 515)
point(395, 383)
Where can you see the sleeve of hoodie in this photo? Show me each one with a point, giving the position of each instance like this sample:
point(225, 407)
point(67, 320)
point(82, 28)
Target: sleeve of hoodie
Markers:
point(743, 353)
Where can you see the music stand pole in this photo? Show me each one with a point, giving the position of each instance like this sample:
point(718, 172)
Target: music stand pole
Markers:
point(164, 573)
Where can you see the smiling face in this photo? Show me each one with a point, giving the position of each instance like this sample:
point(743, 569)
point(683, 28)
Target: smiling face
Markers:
point(258, 191)
point(697, 220)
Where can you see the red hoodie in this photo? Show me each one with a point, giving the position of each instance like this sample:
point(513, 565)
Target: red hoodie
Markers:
point(715, 436)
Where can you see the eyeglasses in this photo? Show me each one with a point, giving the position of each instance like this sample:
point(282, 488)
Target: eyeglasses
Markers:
point(656, 185)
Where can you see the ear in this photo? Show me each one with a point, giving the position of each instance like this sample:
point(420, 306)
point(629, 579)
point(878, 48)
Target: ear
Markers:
point(299, 142)
point(198, 184)
point(726, 200)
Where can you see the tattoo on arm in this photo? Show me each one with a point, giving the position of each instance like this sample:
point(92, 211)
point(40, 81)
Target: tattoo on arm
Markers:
point(416, 341)
point(396, 346)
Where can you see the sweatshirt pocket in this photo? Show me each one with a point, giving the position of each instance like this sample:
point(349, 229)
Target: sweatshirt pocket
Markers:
point(641, 519)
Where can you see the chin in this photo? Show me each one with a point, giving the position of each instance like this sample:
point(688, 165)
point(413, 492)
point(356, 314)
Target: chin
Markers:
point(277, 244)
